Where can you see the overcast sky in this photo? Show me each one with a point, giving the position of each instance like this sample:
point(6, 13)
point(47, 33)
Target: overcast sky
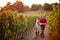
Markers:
point(28, 2)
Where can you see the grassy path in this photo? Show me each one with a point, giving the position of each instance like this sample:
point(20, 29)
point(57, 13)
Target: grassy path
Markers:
point(31, 35)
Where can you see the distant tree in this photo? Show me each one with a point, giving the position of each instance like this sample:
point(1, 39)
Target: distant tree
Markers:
point(47, 7)
point(26, 8)
point(35, 7)
point(39, 6)
point(8, 4)
point(54, 6)
point(6, 7)
point(18, 6)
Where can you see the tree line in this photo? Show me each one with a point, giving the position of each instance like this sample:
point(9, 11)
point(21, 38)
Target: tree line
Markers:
point(20, 7)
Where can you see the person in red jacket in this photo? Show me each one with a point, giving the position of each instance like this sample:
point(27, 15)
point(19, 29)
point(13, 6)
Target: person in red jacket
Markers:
point(43, 23)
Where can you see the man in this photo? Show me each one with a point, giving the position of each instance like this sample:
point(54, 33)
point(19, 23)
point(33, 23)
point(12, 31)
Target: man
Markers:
point(43, 23)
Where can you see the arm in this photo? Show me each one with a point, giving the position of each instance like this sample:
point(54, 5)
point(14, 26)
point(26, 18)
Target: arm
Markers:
point(36, 25)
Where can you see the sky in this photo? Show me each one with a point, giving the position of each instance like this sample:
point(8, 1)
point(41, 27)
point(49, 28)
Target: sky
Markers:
point(28, 2)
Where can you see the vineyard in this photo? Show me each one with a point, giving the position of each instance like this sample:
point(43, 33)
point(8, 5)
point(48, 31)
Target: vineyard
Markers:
point(54, 23)
point(16, 25)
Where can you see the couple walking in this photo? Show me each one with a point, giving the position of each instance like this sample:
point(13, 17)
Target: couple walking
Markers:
point(40, 22)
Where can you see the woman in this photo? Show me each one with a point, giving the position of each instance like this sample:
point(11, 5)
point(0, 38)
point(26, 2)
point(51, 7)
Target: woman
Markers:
point(37, 26)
